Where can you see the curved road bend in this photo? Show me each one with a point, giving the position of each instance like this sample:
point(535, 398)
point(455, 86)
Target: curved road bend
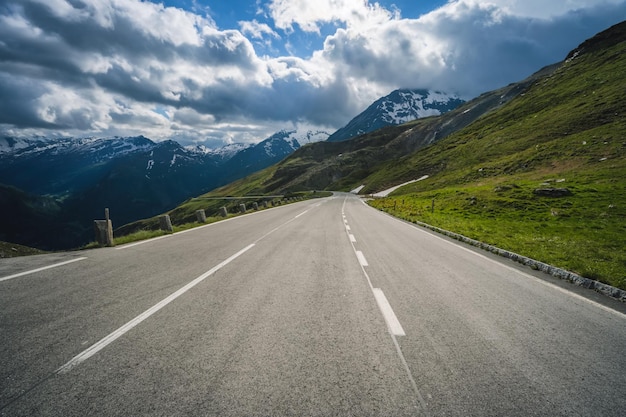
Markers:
point(324, 307)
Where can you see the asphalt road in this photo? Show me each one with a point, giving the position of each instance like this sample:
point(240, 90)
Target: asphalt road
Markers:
point(319, 308)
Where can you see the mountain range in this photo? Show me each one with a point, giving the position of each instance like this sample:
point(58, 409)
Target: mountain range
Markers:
point(53, 190)
point(136, 178)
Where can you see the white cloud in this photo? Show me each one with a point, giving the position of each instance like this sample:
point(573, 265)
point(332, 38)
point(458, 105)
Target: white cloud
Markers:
point(466, 46)
point(308, 15)
point(256, 30)
point(105, 67)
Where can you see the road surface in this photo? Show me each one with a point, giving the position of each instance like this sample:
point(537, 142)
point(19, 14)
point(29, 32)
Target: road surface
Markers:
point(319, 308)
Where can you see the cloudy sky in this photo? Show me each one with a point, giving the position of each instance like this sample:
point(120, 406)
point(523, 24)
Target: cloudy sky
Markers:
point(217, 71)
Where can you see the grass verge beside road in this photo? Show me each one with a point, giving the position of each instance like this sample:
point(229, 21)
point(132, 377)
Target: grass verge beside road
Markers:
point(584, 232)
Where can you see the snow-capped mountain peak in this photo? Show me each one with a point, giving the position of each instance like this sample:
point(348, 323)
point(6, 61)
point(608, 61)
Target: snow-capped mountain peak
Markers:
point(400, 106)
point(284, 142)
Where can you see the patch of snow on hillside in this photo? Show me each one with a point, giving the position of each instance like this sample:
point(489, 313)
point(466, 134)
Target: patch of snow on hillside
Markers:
point(312, 137)
point(268, 149)
point(388, 191)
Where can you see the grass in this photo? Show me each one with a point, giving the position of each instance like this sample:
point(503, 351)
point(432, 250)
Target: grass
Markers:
point(584, 233)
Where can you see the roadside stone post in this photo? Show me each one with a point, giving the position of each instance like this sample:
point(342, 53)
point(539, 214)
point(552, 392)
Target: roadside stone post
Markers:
point(103, 230)
point(109, 228)
point(223, 212)
point(242, 208)
point(265, 204)
point(166, 223)
point(255, 205)
point(201, 216)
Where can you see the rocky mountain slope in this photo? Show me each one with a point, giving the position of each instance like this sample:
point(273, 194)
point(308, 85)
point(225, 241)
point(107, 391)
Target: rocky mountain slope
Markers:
point(136, 177)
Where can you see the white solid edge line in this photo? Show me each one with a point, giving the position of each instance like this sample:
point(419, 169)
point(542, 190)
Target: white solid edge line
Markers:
point(141, 242)
point(32, 271)
point(361, 258)
point(510, 268)
point(95, 348)
point(390, 317)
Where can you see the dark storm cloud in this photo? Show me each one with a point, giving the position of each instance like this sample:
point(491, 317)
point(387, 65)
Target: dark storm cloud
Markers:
point(16, 103)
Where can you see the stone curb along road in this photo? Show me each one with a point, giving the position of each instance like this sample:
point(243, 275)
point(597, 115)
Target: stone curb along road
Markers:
point(576, 279)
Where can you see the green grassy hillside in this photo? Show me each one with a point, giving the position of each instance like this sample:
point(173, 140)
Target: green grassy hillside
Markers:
point(568, 132)
point(537, 167)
